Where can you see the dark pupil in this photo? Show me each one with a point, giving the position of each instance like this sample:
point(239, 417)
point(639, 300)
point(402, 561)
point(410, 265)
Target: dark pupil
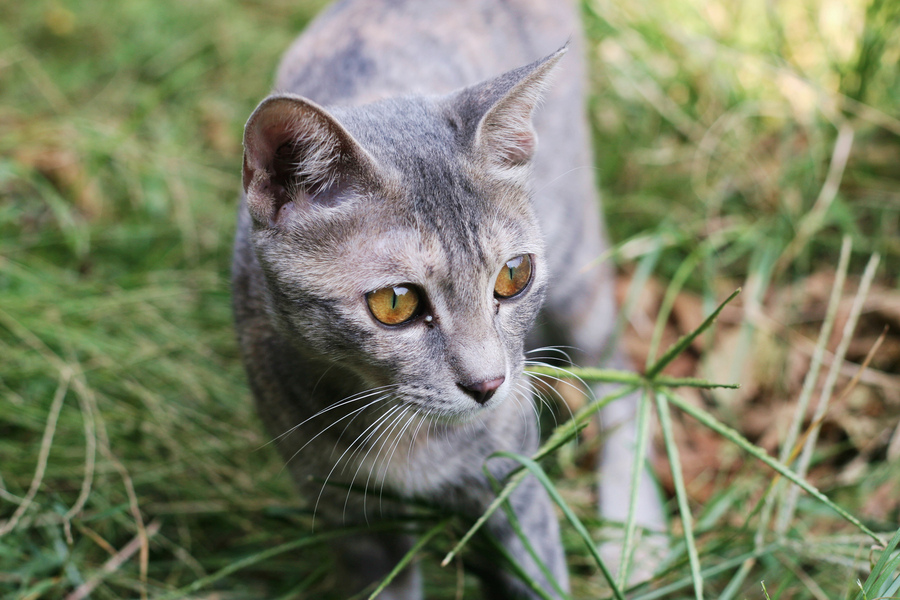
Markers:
point(397, 292)
point(513, 265)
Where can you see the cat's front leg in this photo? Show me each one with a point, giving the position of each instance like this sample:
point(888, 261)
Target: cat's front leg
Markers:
point(537, 519)
point(538, 522)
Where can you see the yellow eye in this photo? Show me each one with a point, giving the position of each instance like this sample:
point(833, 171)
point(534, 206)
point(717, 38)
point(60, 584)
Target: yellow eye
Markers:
point(394, 305)
point(514, 277)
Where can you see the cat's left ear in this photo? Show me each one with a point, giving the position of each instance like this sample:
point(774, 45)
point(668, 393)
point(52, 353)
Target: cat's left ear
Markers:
point(496, 114)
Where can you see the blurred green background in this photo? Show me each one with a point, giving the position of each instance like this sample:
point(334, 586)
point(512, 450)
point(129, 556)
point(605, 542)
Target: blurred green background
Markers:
point(751, 136)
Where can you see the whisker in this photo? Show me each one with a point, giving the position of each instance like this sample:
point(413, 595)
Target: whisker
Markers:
point(385, 397)
point(526, 392)
point(560, 350)
point(569, 375)
point(537, 387)
point(327, 477)
point(524, 415)
point(368, 432)
point(375, 428)
point(384, 438)
point(390, 457)
point(561, 175)
point(539, 382)
point(343, 402)
point(585, 389)
point(333, 423)
point(428, 435)
point(415, 436)
point(350, 422)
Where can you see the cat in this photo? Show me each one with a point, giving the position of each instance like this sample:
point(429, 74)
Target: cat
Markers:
point(407, 217)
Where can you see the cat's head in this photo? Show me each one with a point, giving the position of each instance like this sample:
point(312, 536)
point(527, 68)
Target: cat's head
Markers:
point(398, 238)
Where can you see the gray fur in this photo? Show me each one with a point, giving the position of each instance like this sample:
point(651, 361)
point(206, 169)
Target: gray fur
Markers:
point(381, 160)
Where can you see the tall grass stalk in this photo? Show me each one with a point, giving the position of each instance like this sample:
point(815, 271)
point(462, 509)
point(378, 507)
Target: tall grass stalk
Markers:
point(684, 509)
point(641, 444)
point(786, 512)
point(788, 445)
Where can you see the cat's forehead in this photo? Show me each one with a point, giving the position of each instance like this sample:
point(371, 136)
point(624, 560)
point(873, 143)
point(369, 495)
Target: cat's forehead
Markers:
point(398, 128)
point(427, 165)
point(417, 251)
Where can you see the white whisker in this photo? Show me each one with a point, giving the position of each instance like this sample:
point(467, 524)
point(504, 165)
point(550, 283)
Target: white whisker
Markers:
point(327, 477)
point(345, 401)
point(333, 423)
point(554, 349)
point(537, 389)
point(415, 436)
point(375, 428)
point(387, 463)
point(384, 438)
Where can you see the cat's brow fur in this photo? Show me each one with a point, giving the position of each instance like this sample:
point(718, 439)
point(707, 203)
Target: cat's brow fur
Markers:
point(398, 148)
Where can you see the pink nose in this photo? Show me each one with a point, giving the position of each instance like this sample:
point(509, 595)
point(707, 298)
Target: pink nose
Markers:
point(481, 391)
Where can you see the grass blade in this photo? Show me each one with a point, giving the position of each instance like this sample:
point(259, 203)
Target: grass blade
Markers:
point(809, 382)
point(628, 377)
point(687, 267)
point(643, 272)
point(786, 513)
point(517, 568)
point(685, 341)
point(666, 591)
point(529, 547)
point(732, 435)
point(640, 456)
point(665, 420)
point(888, 565)
point(536, 470)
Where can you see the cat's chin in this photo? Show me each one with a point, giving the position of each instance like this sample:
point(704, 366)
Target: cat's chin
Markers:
point(467, 414)
point(460, 418)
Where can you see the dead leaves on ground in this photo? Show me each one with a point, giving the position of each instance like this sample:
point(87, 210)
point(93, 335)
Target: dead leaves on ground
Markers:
point(768, 351)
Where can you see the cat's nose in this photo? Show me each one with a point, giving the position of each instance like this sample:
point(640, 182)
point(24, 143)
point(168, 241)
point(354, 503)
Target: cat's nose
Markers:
point(482, 391)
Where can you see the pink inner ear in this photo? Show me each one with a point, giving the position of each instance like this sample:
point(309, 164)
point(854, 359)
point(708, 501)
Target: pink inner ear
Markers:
point(520, 148)
point(261, 146)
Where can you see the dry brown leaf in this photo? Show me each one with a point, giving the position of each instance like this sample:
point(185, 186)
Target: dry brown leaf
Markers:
point(771, 369)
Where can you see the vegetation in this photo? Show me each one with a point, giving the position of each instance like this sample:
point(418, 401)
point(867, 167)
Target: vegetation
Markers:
point(740, 144)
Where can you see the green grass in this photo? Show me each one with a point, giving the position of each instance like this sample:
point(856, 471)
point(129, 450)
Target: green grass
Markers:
point(739, 144)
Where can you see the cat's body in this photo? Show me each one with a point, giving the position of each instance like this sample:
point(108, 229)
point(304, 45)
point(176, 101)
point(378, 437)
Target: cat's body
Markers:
point(429, 189)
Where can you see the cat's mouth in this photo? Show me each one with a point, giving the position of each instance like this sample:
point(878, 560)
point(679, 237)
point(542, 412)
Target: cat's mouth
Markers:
point(458, 407)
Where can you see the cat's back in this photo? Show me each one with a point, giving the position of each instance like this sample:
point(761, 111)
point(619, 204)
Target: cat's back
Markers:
point(358, 51)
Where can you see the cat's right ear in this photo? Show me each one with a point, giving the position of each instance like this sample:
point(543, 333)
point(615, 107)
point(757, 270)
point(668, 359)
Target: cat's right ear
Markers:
point(496, 114)
point(297, 156)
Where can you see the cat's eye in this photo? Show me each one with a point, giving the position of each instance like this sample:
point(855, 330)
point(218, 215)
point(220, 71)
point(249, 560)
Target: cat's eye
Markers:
point(394, 305)
point(514, 277)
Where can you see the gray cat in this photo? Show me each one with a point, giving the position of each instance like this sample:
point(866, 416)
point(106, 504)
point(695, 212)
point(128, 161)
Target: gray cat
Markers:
point(399, 235)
